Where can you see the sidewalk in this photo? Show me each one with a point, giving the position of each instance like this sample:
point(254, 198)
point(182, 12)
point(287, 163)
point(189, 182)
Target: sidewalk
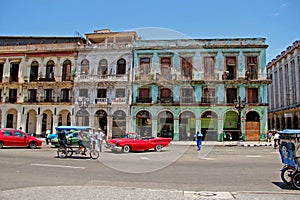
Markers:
point(227, 143)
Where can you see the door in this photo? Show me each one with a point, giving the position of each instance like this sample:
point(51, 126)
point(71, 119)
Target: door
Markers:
point(19, 139)
point(252, 131)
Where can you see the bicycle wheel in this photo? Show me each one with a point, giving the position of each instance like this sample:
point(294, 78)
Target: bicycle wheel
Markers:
point(69, 152)
point(286, 175)
point(94, 154)
point(61, 153)
point(296, 180)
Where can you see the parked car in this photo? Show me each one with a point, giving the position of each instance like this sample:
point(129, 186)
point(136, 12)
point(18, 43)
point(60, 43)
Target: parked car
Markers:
point(72, 138)
point(133, 142)
point(14, 137)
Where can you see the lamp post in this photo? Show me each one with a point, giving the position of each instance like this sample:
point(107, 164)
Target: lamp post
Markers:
point(239, 105)
point(83, 102)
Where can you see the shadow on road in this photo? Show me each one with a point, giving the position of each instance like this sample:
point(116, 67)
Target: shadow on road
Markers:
point(284, 186)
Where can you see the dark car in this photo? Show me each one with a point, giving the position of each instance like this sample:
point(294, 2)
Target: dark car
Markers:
point(17, 138)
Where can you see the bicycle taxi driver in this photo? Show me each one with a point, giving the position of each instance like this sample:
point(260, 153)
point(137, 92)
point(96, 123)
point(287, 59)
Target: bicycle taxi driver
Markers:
point(82, 147)
point(62, 138)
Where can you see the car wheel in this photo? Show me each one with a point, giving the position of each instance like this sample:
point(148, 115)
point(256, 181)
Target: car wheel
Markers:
point(33, 145)
point(158, 148)
point(286, 175)
point(126, 148)
point(1, 145)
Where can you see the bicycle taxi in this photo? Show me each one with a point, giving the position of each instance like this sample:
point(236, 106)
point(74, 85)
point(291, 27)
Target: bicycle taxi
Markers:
point(290, 156)
point(68, 142)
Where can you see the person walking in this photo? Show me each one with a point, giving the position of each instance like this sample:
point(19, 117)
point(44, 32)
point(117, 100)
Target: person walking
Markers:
point(99, 136)
point(198, 136)
point(276, 140)
point(47, 135)
point(93, 135)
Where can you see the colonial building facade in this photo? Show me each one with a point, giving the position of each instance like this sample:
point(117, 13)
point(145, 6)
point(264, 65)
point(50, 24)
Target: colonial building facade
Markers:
point(181, 86)
point(104, 75)
point(284, 96)
point(119, 83)
point(36, 81)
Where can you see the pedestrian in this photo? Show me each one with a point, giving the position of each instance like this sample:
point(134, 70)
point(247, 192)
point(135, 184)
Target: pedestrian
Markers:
point(276, 140)
point(99, 136)
point(93, 134)
point(198, 136)
point(47, 135)
point(270, 135)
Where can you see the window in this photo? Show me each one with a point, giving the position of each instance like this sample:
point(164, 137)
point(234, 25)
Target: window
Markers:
point(48, 95)
point(12, 95)
point(18, 134)
point(14, 72)
point(252, 95)
point(66, 71)
point(252, 67)
point(7, 133)
point(187, 95)
point(230, 68)
point(165, 66)
point(85, 67)
point(34, 70)
point(144, 65)
point(187, 67)
point(120, 93)
point(121, 67)
point(103, 67)
point(165, 95)
point(65, 95)
point(231, 95)
point(50, 70)
point(209, 68)
point(84, 93)
point(209, 95)
point(32, 95)
point(144, 95)
point(1, 71)
point(101, 93)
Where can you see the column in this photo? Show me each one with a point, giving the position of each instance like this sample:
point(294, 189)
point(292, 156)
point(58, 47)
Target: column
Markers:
point(109, 127)
point(241, 65)
point(4, 119)
point(198, 125)
point(220, 129)
point(20, 121)
point(176, 129)
point(55, 122)
point(154, 126)
point(128, 124)
point(38, 125)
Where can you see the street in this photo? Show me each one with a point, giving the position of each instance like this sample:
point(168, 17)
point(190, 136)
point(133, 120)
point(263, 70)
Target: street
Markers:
point(177, 167)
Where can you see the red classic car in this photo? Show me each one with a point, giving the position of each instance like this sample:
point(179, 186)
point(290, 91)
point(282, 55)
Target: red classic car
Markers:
point(13, 137)
point(133, 142)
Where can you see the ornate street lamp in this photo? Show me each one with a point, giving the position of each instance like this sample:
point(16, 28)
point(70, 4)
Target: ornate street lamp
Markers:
point(239, 105)
point(83, 102)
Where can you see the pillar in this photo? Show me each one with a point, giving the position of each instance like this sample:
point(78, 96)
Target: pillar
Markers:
point(109, 127)
point(154, 126)
point(176, 129)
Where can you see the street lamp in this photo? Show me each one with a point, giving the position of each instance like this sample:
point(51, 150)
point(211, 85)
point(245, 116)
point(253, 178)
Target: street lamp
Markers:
point(83, 102)
point(239, 105)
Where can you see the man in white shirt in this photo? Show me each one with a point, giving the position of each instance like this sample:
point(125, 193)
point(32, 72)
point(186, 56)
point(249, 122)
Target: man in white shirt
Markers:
point(276, 140)
point(99, 136)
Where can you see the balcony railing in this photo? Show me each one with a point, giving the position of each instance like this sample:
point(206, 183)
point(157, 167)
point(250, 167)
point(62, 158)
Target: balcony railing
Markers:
point(187, 100)
point(165, 100)
point(143, 100)
point(97, 78)
point(101, 100)
point(208, 99)
point(118, 100)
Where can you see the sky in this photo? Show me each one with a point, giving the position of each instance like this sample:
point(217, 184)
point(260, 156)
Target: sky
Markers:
point(275, 20)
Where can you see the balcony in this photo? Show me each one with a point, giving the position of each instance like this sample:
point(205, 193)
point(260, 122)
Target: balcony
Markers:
point(165, 100)
point(208, 99)
point(187, 100)
point(118, 101)
point(102, 78)
point(144, 77)
point(143, 99)
point(101, 101)
point(166, 77)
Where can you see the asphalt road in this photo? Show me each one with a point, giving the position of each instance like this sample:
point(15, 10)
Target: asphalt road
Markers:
point(215, 170)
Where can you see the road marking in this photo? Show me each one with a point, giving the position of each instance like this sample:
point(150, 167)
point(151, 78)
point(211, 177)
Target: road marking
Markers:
point(205, 158)
point(253, 156)
point(144, 158)
point(58, 166)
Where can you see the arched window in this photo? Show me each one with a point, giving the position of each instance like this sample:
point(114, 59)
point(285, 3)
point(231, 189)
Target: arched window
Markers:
point(121, 66)
point(103, 67)
point(50, 70)
point(85, 66)
point(34, 71)
point(66, 71)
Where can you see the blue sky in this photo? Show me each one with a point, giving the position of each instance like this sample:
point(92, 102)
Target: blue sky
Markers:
point(275, 20)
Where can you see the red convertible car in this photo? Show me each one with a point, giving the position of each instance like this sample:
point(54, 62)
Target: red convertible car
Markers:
point(133, 142)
